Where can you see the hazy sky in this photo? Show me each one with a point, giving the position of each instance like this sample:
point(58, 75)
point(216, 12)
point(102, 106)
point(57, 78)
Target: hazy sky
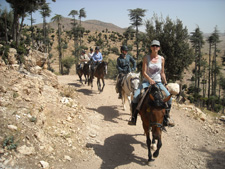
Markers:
point(203, 13)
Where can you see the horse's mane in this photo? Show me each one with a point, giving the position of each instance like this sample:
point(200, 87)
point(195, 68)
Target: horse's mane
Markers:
point(158, 97)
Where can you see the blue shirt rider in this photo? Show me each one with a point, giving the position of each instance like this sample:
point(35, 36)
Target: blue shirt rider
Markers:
point(97, 56)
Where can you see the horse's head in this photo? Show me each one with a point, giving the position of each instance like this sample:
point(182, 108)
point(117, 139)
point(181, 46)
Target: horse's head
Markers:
point(156, 97)
point(105, 67)
point(134, 80)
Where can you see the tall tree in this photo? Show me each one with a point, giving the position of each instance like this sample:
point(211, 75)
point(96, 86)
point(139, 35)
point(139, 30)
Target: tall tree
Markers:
point(197, 43)
point(57, 18)
point(136, 20)
point(174, 43)
point(45, 12)
point(20, 8)
point(73, 13)
point(82, 14)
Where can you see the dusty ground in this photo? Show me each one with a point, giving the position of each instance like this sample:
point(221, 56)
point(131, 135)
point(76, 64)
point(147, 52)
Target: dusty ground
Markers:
point(191, 144)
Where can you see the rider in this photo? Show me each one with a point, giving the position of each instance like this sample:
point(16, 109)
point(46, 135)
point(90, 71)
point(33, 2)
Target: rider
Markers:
point(83, 58)
point(123, 66)
point(153, 73)
point(91, 53)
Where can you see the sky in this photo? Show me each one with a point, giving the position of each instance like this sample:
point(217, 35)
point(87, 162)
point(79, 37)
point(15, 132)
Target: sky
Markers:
point(205, 14)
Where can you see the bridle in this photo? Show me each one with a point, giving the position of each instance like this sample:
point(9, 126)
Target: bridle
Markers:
point(160, 125)
point(131, 80)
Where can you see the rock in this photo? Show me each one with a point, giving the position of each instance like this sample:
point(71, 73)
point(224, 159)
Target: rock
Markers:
point(44, 164)
point(67, 158)
point(12, 127)
point(174, 88)
point(12, 56)
point(26, 150)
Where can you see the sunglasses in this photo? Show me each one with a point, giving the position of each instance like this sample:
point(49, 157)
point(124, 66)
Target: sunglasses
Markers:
point(154, 46)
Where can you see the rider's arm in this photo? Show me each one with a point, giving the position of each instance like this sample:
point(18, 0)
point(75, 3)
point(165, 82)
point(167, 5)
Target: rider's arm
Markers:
point(118, 66)
point(163, 76)
point(133, 62)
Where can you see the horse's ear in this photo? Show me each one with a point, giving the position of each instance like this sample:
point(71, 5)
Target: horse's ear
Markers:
point(151, 97)
point(167, 98)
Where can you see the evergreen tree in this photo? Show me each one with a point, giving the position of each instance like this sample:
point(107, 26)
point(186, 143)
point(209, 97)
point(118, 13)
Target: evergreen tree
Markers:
point(197, 43)
point(57, 18)
point(174, 45)
point(45, 12)
point(136, 20)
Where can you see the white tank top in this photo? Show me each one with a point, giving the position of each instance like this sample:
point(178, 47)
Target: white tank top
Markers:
point(154, 69)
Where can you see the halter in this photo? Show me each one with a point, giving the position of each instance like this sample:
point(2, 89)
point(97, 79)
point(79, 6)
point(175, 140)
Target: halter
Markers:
point(160, 125)
point(132, 79)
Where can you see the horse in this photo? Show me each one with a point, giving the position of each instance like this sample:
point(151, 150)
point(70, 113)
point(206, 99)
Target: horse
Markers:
point(80, 72)
point(152, 111)
point(87, 71)
point(100, 71)
point(130, 83)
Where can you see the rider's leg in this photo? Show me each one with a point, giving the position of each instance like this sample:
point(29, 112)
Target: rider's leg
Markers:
point(167, 120)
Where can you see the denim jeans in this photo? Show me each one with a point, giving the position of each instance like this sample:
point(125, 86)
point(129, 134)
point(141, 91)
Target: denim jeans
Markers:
point(145, 84)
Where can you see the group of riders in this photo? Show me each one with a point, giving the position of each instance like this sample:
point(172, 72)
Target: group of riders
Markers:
point(152, 72)
point(93, 57)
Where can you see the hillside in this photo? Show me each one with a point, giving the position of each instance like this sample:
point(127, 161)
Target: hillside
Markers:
point(92, 25)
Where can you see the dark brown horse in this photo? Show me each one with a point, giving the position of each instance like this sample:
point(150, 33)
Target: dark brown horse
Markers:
point(100, 71)
point(79, 71)
point(152, 111)
point(87, 71)
point(83, 70)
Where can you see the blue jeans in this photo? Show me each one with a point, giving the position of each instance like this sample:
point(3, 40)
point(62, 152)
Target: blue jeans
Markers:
point(145, 84)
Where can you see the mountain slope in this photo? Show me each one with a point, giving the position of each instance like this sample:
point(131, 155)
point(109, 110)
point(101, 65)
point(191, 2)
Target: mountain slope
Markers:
point(92, 25)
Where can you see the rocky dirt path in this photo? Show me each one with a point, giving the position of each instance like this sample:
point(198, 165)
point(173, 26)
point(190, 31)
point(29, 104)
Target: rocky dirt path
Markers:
point(191, 144)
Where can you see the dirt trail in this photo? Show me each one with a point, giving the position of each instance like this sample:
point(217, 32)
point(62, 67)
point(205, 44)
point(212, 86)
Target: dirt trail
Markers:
point(190, 144)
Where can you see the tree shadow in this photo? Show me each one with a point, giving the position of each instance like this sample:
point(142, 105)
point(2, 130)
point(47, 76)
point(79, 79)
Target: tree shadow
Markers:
point(109, 112)
point(117, 151)
point(216, 159)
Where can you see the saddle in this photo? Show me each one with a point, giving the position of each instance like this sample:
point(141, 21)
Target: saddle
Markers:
point(157, 94)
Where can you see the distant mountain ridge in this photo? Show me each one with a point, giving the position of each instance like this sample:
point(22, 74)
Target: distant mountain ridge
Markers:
point(92, 25)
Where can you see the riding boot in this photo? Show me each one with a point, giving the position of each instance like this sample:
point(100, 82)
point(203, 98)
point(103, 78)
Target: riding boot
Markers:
point(167, 121)
point(134, 114)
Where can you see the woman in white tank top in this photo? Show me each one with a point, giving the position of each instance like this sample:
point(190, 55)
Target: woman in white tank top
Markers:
point(153, 73)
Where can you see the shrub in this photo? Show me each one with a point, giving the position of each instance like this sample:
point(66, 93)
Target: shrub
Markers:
point(9, 143)
point(68, 62)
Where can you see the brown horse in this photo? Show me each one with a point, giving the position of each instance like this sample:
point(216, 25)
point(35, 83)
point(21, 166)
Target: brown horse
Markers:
point(100, 71)
point(152, 111)
point(87, 71)
point(79, 71)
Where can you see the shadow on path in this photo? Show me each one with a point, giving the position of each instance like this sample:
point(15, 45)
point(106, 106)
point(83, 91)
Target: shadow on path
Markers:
point(109, 112)
point(117, 150)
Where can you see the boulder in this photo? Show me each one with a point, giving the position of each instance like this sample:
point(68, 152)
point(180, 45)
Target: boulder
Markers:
point(12, 56)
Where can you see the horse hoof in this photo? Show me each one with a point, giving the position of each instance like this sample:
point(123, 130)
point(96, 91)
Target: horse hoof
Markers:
point(150, 161)
point(155, 154)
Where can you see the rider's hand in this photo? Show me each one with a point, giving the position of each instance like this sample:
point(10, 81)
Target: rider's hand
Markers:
point(152, 82)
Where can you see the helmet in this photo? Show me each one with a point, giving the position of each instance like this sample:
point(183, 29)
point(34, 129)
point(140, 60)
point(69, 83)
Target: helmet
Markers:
point(124, 48)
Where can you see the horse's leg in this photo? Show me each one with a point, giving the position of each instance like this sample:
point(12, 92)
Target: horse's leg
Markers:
point(159, 144)
point(153, 146)
point(123, 100)
point(148, 141)
point(98, 84)
point(103, 84)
